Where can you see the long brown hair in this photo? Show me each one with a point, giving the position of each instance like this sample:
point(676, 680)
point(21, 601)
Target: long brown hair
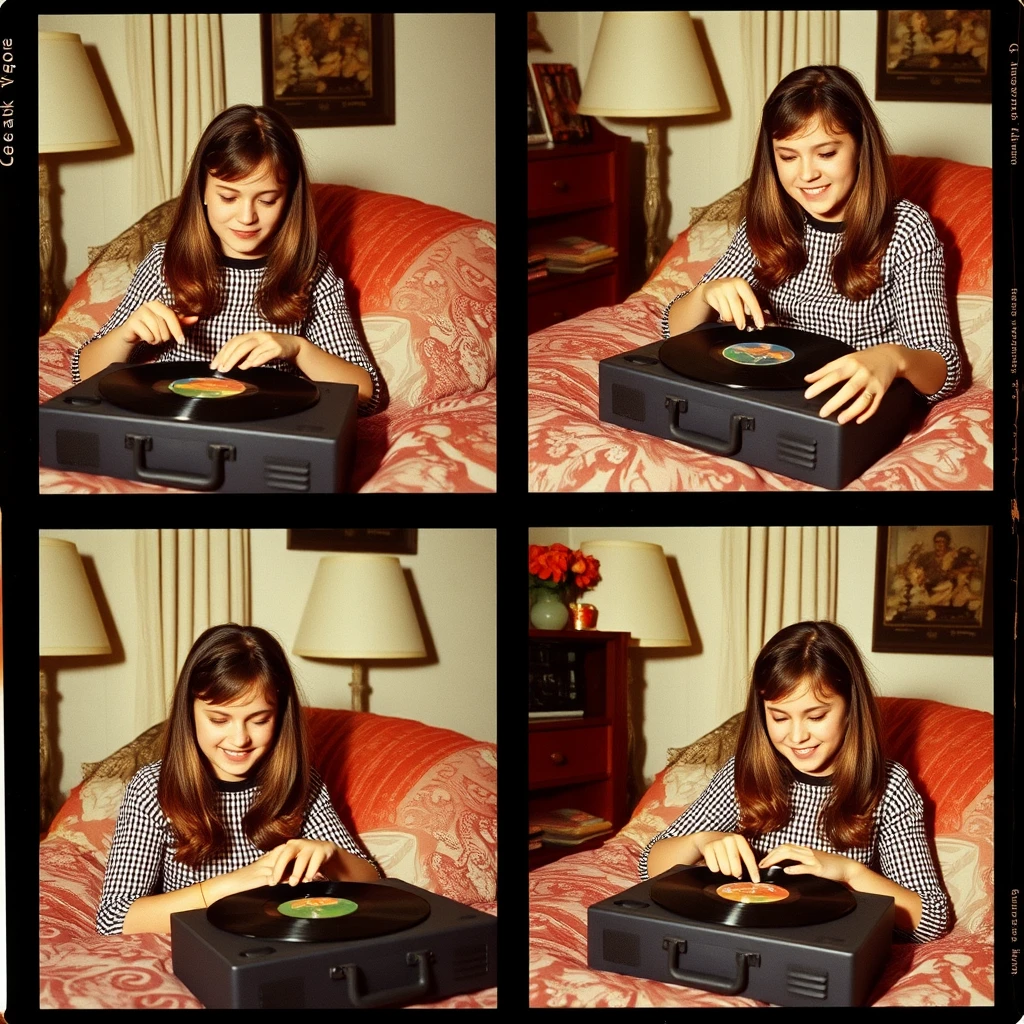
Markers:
point(225, 663)
point(775, 222)
point(823, 655)
point(236, 142)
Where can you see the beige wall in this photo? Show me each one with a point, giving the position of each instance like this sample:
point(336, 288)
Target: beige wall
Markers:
point(676, 684)
point(453, 576)
point(440, 149)
point(706, 157)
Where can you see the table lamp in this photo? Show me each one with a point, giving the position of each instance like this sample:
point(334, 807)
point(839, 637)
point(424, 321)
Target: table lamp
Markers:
point(69, 624)
point(648, 64)
point(359, 609)
point(73, 118)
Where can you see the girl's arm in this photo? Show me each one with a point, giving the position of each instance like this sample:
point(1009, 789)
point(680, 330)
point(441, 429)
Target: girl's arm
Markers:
point(725, 852)
point(152, 323)
point(730, 298)
point(908, 903)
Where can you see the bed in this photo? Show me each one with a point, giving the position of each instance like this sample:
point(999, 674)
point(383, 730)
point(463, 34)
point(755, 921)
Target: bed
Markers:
point(570, 449)
point(956, 970)
point(421, 799)
point(420, 280)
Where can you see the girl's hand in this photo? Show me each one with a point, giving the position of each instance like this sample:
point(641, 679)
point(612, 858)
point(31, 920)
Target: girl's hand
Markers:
point(255, 349)
point(868, 375)
point(734, 300)
point(305, 855)
point(727, 853)
point(812, 862)
point(154, 323)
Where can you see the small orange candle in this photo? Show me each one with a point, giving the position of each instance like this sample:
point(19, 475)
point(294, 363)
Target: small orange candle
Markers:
point(584, 616)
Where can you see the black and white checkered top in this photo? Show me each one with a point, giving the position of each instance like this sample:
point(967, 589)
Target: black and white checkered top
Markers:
point(908, 308)
point(328, 325)
point(899, 847)
point(141, 860)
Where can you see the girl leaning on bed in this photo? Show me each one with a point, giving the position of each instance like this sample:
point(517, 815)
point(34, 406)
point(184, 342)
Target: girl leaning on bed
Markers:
point(233, 804)
point(827, 246)
point(809, 784)
point(240, 280)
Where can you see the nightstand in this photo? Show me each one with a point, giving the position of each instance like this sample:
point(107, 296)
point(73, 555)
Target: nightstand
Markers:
point(582, 762)
point(579, 189)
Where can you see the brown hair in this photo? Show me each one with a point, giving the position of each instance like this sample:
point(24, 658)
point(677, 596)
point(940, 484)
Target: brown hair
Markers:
point(823, 655)
point(225, 663)
point(237, 142)
point(775, 222)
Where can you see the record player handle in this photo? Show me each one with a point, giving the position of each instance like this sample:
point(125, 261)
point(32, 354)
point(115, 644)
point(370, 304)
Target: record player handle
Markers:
point(219, 454)
point(712, 445)
point(710, 982)
point(403, 994)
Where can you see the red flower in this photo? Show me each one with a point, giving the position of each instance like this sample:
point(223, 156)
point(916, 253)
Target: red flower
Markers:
point(556, 563)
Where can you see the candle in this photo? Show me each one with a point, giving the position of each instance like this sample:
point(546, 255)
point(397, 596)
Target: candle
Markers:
point(584, 616)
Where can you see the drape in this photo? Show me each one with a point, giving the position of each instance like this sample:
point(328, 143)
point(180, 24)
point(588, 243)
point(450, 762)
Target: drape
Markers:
point(176, 64)
point(772, 44)
point(186, 581)
point(774, 576)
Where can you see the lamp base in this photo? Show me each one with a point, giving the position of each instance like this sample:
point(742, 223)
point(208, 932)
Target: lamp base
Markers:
point(360, 691)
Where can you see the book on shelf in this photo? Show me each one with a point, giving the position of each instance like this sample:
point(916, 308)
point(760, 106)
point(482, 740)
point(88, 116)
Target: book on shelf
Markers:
point(578, 713)
point(557, 267)
point(568, 823)
point(558, 840)
point(572, 251)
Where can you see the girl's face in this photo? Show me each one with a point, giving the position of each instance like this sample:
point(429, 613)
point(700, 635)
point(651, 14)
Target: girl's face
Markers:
point(818, 169)
point(233, 737)
point(245, 214)
point(807, 730)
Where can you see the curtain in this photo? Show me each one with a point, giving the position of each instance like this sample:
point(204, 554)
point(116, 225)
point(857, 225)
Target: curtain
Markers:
point(177, 77)
point(186, 581)
point(772, 44)
point(774, 576)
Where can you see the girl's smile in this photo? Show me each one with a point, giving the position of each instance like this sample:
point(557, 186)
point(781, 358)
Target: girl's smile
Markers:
point(245, 214)
point(808, 730)
point(818, 169)
point(233, 737)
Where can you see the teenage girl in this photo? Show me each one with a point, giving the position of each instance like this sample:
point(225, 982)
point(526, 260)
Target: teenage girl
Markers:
point(241, 280)
point(233, 804)
point(809, 784)
point(826, 246)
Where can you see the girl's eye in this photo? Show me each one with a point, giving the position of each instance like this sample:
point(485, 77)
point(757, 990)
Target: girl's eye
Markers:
point(227, 199)
point(818, 719)
point(827, 156)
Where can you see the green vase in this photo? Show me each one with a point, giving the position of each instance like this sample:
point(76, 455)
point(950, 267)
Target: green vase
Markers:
point(548, 610)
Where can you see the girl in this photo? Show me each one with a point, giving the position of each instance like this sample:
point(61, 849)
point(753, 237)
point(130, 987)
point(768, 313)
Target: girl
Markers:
point(233, 804)
point(240, 280)
point(808, 783)
point(827, 247)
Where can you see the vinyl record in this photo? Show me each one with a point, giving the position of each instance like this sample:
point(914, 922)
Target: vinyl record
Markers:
point(192, 391)
point(778, 901)
point(318, 911)
point(777, 357)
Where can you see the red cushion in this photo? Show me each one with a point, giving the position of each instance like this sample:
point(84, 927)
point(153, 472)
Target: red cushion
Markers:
point(947, 750)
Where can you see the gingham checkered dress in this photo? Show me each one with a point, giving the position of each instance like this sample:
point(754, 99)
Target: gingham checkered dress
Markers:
point(328, 325)
point(898, 850)
point(141, 860)
point(909, 307)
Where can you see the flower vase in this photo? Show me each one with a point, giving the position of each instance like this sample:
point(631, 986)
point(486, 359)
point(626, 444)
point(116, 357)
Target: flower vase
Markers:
point(549, 610)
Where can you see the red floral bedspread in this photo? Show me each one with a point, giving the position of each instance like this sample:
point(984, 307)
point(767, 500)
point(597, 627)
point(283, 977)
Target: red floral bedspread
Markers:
point(956, 970)
point(422, 280)
point(570, 449)
point(423, 801)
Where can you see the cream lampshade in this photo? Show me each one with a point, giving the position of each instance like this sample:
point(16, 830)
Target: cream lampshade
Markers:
point(359, 609)
point(73, 117)
point(69, 625)
point(648, 64)
point(636, 593)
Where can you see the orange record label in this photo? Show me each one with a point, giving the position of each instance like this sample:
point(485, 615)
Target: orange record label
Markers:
point(752, 892)
point(206, 387)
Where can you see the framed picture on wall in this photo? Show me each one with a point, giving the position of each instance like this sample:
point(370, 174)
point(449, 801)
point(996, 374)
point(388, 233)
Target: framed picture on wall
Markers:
point(933, 590)
point(934, 55)
point(537, 130)
point(329, 70)
point(559, 88)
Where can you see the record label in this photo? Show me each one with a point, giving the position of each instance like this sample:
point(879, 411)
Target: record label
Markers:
point(318, 911)
point(752, 892)
point(750, 354)
point(183, 391)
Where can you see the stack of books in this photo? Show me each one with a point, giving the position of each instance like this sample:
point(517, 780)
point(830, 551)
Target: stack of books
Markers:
point(567, 826)
point(537, 266)
point(573, 254)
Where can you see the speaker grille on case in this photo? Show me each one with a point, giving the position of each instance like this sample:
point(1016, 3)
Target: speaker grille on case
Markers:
point(78, 448)
point(809, 984)
point(620, 947)
point(286, 475)
point(628, 402)
point(800, 451)
point(470, 961)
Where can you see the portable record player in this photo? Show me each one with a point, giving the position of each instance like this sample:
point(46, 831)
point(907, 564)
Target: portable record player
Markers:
point(182, 425)
point(677, 928)
point(333, 945)
point(740, 395)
